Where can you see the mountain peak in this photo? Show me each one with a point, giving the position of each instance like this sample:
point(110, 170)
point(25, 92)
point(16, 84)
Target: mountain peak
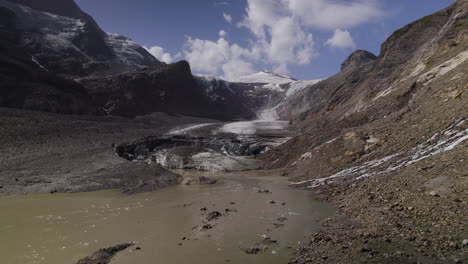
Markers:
point(358, 58)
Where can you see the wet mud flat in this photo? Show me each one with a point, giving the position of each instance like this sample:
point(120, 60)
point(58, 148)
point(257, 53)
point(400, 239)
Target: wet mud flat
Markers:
point(243, 218)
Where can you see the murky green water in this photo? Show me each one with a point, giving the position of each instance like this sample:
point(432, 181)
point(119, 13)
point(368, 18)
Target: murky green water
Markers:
point(62, 228)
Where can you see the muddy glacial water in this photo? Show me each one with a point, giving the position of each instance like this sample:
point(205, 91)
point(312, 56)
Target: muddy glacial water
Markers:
point(168, 224)
point(62, 228)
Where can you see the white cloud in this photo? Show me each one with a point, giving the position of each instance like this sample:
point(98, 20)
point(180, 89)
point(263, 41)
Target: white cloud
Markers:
point(160, 54)
point(227, 17)
point(281, 35)
point(341, 39)
point(222, 33)
point(327, 14)
point(236, 68)
point(211, 57)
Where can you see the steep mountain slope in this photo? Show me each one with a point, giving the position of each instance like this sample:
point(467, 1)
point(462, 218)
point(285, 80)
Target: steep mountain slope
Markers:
point(328, 93)
point(67, 41)
point(385, 140)
point(170, 89)
point(24, 83)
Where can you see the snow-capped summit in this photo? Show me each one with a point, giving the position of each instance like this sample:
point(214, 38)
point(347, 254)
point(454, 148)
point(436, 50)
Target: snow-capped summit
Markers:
point(265, 77)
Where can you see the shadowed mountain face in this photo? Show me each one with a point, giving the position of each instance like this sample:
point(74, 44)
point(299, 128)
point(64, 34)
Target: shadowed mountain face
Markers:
point(67, 41)
point(26, 84)
point(170, 89)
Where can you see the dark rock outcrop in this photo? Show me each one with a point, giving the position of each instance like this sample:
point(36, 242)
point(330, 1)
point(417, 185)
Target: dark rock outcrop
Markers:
point(104, 256)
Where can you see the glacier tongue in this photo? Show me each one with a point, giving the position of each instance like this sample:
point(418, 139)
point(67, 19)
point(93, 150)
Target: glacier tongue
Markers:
point(265, 77)
point(268, 120)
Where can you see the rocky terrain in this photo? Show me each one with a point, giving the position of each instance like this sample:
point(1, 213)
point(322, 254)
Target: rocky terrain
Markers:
point(48, 153)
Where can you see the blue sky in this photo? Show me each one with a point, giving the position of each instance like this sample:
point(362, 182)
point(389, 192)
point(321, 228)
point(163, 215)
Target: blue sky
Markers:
point(306, 39)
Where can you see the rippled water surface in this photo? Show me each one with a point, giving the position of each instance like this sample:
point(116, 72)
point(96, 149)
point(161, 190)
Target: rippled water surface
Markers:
point(62, 228)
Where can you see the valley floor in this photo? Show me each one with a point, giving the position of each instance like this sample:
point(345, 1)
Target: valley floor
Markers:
point(389, 218)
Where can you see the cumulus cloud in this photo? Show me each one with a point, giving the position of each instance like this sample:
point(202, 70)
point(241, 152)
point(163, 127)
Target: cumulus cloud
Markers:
point(236, 68)
point(281, 35)
point(210, 56)
point(341, 39)
point(227, 17)
point(222, 33)
point(328, 14)
point(160, 54)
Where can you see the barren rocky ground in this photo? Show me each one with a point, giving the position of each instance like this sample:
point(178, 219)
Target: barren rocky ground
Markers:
point(44, 152)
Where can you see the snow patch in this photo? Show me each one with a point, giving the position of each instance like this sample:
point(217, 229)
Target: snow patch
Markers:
point(187, 129)
point(273, 87)
point(443, 68)
point(35, 61)
point(298, 86)
point(418, 70)
point(268, 114)
point(267, 121)
point(440, 142)
point(53, 31)
point(265, 77)
point(384, 93)
point(127, 50)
